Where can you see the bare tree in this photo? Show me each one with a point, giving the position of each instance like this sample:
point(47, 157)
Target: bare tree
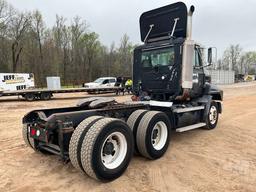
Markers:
point(58, 39)
point(78, 28)
point(18, 27)
point(248, 63)
point(37, 33)
point(38, 27)
point(125, 54)
point(69, 50)
point(6, 13)
point(231, 57)
point(92, 44)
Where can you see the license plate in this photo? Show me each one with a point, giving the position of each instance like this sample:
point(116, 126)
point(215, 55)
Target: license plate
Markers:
point(38, 134)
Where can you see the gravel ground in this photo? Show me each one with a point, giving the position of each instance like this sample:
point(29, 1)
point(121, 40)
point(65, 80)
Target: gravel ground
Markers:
point(223, 159)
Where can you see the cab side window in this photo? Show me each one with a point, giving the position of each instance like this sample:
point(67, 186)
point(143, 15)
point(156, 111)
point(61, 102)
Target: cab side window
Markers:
point(197, 62)
point(106, 81)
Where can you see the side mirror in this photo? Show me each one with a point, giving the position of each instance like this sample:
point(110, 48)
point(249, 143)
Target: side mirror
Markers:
point(210, 56)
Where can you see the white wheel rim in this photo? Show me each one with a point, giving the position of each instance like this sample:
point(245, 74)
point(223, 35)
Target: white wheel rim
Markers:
point(213, 115)
point(113, 157)
point(159, 135)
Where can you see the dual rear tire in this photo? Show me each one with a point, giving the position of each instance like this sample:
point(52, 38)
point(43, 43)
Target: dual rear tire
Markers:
point(151, 131)
point(101, 147)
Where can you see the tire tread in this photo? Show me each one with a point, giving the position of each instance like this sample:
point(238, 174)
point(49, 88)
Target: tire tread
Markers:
point(141, 133)
point(28, 141)
point(133, 118)
point(132, 122)
point(74, 141)
point(88, 144)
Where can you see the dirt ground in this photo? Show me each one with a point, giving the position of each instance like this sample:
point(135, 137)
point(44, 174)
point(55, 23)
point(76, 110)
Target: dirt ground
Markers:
point(223, 159)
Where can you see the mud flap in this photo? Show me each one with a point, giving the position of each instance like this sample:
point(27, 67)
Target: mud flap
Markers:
point(206, 101)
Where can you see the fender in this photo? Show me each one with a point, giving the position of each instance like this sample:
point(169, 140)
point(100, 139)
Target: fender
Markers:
point(214, 91)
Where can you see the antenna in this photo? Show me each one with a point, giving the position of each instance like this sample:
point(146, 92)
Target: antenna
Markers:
point(174, 26)
point(149, 31)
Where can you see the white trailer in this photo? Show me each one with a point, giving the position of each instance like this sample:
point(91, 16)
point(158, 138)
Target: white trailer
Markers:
point(16, 81)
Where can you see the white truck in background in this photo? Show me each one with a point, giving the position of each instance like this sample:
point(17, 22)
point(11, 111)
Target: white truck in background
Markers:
point(16, 81)
point(22, 84)
point(101, 82)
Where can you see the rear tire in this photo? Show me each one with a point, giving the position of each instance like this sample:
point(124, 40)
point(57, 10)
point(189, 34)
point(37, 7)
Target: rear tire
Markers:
point(153, 134)
point(76, 140)
point(107, 149)
point(45, 96)
point(133, 122)
point(27, 139)
point(30, 142)
point(30, 97)
point(212, 116)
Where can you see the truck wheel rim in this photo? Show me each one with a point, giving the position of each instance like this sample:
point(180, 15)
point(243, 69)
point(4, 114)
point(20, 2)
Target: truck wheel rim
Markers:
point(114, 150)
point(159, 135)
point(213, 115)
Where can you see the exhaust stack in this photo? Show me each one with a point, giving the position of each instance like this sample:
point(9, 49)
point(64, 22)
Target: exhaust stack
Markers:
point(189, 22)
point(188, 54)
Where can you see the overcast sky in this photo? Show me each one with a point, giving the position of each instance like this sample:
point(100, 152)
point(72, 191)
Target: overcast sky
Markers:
point(216, 23)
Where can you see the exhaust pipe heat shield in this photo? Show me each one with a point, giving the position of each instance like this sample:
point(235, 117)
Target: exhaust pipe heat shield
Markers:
point(187, 64)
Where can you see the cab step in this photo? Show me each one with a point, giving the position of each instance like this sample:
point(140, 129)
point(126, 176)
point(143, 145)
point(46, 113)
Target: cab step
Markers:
point(190, 127)
point(188, 109)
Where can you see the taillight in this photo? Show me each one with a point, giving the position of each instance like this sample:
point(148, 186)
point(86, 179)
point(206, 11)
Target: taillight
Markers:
point(32, 131)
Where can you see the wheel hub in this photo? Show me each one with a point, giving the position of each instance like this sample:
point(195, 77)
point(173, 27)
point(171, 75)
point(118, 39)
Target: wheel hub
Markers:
point(159, 135)
point(155, 134)
point(114, 150)
point(213, 115)
point(108, 149)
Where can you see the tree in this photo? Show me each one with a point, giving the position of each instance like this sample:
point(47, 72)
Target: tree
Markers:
point(231, 57)
point(92, 45)
point(125, 56)
point(78, 29)
point(248, 63)
point(68, 49)
point(18, 28)
point(38, 28)
point(112, 57)
point(37, 31)
point(6, 13)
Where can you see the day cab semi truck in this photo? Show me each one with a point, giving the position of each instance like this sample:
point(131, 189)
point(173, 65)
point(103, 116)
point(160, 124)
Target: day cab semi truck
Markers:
point(99, 135)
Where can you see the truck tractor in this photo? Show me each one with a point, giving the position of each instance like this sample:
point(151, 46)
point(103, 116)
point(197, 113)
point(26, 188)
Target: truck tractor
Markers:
point(170, 94)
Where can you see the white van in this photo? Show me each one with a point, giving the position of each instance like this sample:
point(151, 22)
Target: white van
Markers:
point(16, 81)
point(101, 82)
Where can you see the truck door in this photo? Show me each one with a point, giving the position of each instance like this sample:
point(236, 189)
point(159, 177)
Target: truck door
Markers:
point(198, 74)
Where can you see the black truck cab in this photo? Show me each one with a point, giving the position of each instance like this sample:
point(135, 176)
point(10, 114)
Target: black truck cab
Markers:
point(169, 65)
point(157, 70)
